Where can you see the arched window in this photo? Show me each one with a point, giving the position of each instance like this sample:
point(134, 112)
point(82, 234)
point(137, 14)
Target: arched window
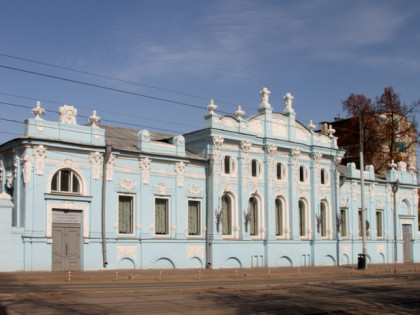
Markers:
point(323, 211)
point(279, 217)
point(226, 215)
point(65, 181)
point(253, 220)
point(302, 218)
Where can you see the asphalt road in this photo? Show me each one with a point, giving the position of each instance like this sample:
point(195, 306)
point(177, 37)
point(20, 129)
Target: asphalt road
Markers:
point(310, 294)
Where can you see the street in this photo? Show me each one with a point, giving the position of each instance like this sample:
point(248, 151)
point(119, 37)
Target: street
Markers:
point(361, 293)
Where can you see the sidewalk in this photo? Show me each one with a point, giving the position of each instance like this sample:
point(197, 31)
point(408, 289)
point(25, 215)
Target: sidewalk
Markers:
point(167, 274)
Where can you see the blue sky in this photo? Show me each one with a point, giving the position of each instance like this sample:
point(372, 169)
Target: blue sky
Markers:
point(320, 51)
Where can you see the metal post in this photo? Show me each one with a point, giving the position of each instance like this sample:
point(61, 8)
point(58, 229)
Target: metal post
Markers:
point(362, 194)
point(395, 190)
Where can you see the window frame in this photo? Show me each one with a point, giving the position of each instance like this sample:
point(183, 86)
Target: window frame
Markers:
point(232, 165)
point(343, 223)
point(132, 214)
point(324, 176)
point(379, 228)
point(230, 226)
point(284, 218)
point(258, 168)
point(303, 174)
point(304, 225)
point(256, 215)
point(57, 177)
point(282, 172)
point(200, 216)
point(168, 216)
point(323, 209)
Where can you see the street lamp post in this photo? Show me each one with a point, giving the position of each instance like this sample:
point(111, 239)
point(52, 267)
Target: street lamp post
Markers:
point(362, 263)
point(395, 188)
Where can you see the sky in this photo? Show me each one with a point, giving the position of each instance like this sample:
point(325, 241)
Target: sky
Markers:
point(156, 64)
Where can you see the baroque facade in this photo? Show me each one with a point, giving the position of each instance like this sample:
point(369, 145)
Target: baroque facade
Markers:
point(254, 191)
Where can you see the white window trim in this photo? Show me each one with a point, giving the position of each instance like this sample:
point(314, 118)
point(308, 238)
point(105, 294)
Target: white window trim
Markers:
point(79, 175)
point(328, 228)
point(286, 230)
point(382, 223)
point(283, 172)
point(169, 216)
point(259, 170)
point(305, 174)
point(308, 230)
point(235, 226)
point(134, 214)
point(233, 165)
point(261, 218)
point(346, 225)
point(326, 177)
point(201, 218)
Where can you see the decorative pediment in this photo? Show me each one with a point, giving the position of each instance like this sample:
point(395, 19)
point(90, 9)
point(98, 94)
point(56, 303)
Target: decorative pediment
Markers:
point(228, 121)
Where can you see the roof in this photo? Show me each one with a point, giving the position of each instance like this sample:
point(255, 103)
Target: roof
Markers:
point(125, 139)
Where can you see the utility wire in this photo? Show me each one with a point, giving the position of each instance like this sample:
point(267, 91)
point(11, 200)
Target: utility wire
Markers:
point(113, 78)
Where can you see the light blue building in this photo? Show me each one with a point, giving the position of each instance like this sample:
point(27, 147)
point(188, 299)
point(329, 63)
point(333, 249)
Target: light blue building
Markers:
point(241, 192)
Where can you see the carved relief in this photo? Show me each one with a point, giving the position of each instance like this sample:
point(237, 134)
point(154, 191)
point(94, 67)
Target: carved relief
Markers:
point(145, 165)
point(217, 142)
point(344, 202)
point(256, 126)
point(372, 192)
point(301, 135)
point(380, 204)
point(180, 170)
point(279, 127)
point(96, 160)
point(28, 165)
point(127, 185)
point(162, 187)
point(110, 167)
point(354, 186)
point(195, 190)
point(40, 153)
point(67, 114)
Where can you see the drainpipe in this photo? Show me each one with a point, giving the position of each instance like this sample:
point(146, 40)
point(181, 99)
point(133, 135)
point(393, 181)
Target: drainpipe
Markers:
point(208, 212)
point(108, 150)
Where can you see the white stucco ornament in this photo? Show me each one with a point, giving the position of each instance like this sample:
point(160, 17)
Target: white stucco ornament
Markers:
point(239, 113)
point(265, 93)
point(94, 120)
point(37, 110)
point(67, 114)
point(212, 107)
point(311, 126)
point(288, 101)
point(40, 153)
point(5, 196)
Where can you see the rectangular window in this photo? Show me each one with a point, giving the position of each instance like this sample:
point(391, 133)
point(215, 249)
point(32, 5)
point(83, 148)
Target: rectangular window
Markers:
point(125, 214)
point(343, 222)
point(161, 216)
point(194, 217)
point(379, 224)
point(360, 223)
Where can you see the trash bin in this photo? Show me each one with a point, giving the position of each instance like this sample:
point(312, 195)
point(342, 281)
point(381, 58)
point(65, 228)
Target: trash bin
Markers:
point(361, 264)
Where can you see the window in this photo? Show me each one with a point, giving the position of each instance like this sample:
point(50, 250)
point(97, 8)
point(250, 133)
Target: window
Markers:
point(323, 220)
point(279, 217)
point(303, 174)
point(194, 217)
point(280, 171)
point(343, 222)
point(360, 223)
point(125, 214)
point(226, 215)
point(161, 216)
point(324, 176)
point(379, 224)
point(65, 181)
point(302, 218)
point(253, 220)
point(255, 168)
point(229, 164)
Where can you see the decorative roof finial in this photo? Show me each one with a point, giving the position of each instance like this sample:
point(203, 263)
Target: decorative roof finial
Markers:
point(264, 98)
point(94, 120)
point(311, 126)
point(288, 100)
point(38, 110)
point(392, 165)
point(212, 107)
point(330, 131)
point(239, 113)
